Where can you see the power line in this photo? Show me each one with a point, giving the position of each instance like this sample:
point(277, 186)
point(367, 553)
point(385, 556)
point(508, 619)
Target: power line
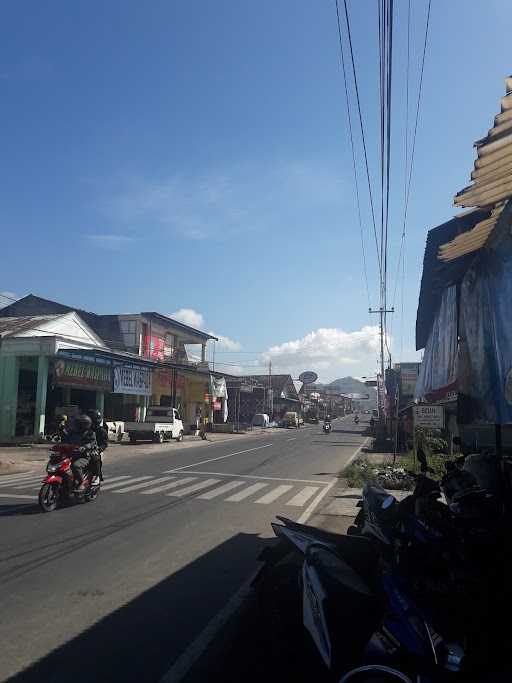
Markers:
point(354, 168)
point(411, 165)
point(362, 132)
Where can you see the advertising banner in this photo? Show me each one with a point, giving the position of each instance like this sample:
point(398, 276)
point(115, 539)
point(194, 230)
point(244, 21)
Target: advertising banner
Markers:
point(86, 375)
point(130, 380)
point(154, 347)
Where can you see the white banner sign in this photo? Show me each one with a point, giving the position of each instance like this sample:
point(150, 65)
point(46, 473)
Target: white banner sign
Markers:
point(430, 417)
point(132, 381)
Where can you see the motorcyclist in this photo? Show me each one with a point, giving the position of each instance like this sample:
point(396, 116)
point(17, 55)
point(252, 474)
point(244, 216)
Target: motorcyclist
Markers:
point(83, 436)
point(102, 441)
point(62, 428)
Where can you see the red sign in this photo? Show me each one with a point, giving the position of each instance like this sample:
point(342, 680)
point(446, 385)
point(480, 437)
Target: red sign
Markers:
point(217, 405)
point(154, 347)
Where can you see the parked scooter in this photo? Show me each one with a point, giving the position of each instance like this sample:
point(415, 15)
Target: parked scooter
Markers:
point(327, 427)
point(58, 485)
point(443, 554)
point(342, 584)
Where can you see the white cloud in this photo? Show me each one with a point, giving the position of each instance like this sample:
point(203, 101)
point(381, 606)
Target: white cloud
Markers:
point(188, 316)
point(7, 298)
point(191, 317)
point(110, 241)
point(243, 198)
point(330, 352)
point(225, 343)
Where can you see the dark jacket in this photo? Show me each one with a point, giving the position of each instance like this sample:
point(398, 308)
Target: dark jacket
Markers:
point(86, 441)
point(101, 437)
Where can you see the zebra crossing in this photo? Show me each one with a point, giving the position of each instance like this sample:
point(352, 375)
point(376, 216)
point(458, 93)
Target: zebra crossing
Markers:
point(186, 485)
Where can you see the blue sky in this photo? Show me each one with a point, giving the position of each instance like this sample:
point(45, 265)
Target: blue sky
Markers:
point(176, 155)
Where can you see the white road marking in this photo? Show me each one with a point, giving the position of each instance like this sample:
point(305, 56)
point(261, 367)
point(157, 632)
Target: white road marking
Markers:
point(112, 479)
point(198, 647)
point(27, 483)
point(315, 502)
point(16, 495)
point(18, 482)
point(143, 485)
point(253, 476)
point(172, 485)
point(273, 495)
point(132, 480)
point(292, 439)
point(195, 487)
point(221, 457)
point(303, 496)
point(221, 489)
point(16, 477)
point(237, 497)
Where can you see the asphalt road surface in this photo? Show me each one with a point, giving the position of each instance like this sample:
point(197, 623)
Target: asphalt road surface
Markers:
point(119, 589)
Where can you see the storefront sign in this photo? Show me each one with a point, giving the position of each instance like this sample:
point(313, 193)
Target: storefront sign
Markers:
point(75, 373)
point(428, 416)
point(129, 380)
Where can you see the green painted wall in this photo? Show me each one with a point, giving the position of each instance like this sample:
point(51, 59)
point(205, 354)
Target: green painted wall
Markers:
point(8, 396)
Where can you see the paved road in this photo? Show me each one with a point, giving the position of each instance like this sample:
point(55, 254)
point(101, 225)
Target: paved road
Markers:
point(118, 589)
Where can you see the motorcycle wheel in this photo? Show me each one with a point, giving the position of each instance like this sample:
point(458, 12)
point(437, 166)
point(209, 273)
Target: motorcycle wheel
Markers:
point(359, 520)
point(49, 497)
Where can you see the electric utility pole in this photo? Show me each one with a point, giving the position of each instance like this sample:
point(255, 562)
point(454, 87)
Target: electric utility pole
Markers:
point(382, 312)
point(270, 393)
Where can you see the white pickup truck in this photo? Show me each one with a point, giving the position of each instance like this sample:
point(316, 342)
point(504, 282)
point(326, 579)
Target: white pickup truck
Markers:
point(162, 423)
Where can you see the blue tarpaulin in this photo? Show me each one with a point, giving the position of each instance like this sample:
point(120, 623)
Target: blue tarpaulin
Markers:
point(438, 371)
point(485, 367)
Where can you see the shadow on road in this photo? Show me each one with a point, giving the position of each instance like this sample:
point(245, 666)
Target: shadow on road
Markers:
point(16, 509)
point(141, 640)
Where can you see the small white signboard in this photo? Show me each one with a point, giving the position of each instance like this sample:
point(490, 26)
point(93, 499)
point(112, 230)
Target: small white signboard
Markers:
point(428, 416)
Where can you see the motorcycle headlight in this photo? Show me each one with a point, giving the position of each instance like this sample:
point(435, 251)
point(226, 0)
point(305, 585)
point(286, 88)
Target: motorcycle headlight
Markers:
point(52, 468)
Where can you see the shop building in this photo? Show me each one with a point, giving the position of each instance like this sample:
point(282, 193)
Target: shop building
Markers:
point(117, 363)
point(56, 364)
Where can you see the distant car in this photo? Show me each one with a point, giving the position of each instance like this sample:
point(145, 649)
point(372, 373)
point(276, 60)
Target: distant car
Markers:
point(260, 420)
point(313, 420)
point(292, 419)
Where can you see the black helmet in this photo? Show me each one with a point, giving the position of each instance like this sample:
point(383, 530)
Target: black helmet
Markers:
point(95, 415)
point(83, 423)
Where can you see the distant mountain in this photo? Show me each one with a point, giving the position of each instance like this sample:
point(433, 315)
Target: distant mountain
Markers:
point(350, 385)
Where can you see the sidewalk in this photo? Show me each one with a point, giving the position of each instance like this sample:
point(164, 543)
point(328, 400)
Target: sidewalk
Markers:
point(15, 459)
point(338, 509)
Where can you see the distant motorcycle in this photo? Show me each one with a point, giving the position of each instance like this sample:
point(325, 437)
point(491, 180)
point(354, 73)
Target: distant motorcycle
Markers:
point(327, 427)
point(356, 419)
point(58, 485)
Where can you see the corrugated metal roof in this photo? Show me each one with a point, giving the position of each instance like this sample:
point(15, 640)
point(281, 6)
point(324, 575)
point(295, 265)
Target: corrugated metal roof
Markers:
point(470, 241)
point(9, 327)
point(492, 175)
